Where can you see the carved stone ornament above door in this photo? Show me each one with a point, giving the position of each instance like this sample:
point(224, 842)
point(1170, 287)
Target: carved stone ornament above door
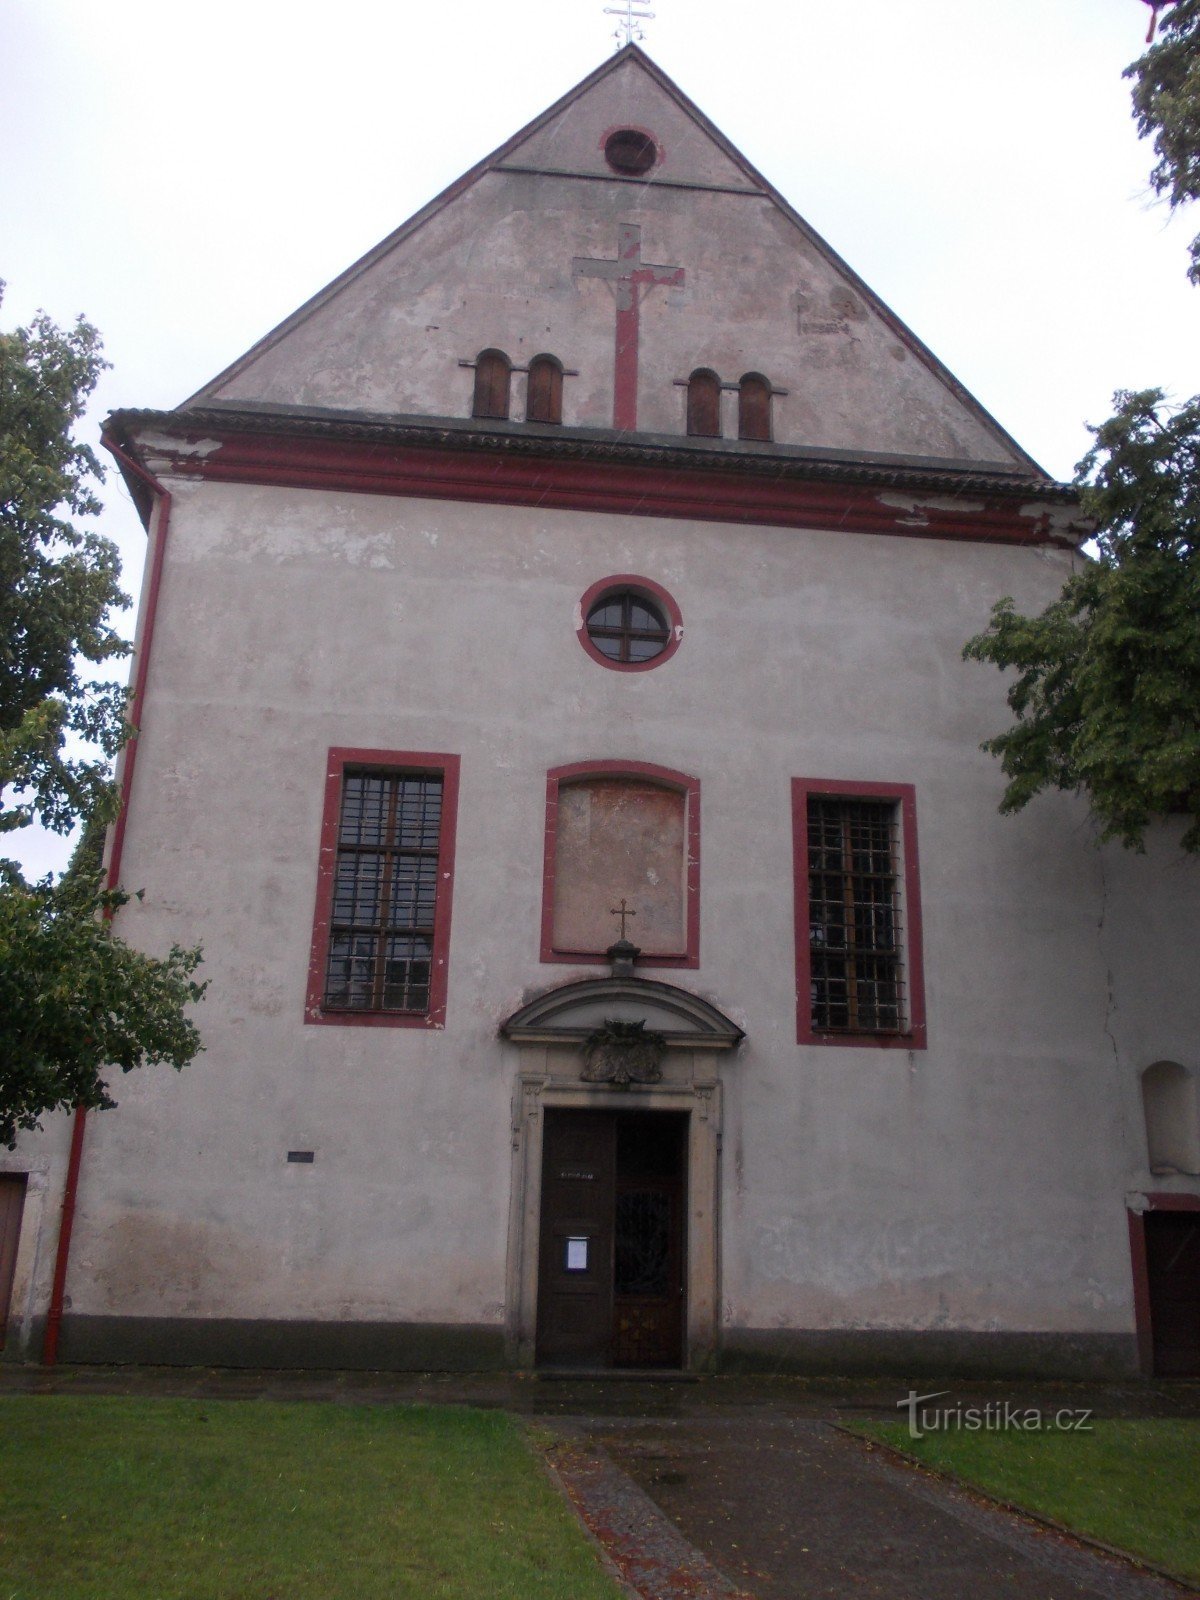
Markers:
point(622, 1053)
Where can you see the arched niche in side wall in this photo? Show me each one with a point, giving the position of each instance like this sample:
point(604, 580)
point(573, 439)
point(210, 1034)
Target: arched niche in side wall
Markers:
point(1169, 1105)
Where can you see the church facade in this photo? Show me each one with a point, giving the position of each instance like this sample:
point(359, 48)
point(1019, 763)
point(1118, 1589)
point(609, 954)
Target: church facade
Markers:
point(552, 723)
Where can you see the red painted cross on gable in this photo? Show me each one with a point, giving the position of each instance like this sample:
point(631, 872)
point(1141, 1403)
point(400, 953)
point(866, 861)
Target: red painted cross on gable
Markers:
point(628, 274)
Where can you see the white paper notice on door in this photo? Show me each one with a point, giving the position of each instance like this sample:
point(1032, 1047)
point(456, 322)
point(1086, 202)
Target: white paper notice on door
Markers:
point(577, 1255)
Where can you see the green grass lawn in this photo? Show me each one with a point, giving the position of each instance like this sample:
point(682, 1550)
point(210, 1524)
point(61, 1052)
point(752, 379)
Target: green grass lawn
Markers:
point(113, 1499)
point(1135, 1485)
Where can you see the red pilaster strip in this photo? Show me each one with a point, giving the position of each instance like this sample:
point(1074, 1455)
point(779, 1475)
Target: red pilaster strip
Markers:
point(137, 700)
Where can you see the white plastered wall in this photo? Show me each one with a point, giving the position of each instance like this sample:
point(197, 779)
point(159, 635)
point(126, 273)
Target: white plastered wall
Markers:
point(977, 1185)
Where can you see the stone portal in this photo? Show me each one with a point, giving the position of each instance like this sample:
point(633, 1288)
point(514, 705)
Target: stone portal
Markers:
point(613, 1226)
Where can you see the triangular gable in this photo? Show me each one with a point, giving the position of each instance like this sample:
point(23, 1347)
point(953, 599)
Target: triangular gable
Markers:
point(488, 263)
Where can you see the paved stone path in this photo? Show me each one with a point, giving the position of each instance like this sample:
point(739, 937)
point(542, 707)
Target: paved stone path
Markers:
point(790, 1508)
point(650, 1555)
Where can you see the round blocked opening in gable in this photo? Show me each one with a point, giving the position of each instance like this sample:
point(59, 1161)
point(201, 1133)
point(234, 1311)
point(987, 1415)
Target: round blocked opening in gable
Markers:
point(630, 152)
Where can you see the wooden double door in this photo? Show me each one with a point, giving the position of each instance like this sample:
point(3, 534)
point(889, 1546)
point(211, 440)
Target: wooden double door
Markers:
point(612, 1253)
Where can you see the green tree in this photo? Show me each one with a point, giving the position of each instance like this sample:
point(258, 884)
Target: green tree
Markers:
point(1107, 691)
point(57, 584)
point(1166, 104)
point(74, 999)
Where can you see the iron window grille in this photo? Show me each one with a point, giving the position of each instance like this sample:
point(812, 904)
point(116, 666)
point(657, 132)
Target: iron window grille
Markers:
point(627, 627)
point(856, 937)
point(385, 893)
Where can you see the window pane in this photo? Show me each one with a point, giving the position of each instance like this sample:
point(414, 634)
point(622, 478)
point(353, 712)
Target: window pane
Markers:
point(854, 925)
point(356, 895)
point(364, 809)
point(646, 649)
point(351, 970)
point(646, 618)
point(406, 975)
point(419, 813)
point(413, 890)
point(607, 646)
point(385, 892)
point(605, 615)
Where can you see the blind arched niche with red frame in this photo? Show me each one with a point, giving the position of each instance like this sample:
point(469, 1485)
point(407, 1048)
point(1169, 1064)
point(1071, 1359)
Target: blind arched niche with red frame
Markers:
point(621, 830)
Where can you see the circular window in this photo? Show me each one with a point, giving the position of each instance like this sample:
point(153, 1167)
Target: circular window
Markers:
point(630, 152)
point(629, 624)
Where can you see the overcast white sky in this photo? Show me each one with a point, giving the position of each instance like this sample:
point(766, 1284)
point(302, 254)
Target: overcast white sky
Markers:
point(187, 175)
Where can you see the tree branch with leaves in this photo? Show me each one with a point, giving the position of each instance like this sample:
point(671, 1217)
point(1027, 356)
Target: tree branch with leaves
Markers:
point(75, 1000)
point(1166, 105)
point(1107, 689)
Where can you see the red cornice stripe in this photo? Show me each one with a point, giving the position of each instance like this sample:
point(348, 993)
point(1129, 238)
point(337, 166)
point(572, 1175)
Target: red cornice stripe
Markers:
point(577, 484)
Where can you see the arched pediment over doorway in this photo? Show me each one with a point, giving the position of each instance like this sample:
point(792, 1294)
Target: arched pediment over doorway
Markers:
point(571, 1014)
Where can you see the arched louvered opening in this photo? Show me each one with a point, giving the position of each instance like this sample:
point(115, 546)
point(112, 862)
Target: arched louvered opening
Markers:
point(704, 404)
point(493, 372)
point(754, 407)
point(543, 401)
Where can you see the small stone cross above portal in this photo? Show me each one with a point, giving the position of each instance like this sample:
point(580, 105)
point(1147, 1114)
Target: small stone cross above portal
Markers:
point(622, 912)
point(628, 274)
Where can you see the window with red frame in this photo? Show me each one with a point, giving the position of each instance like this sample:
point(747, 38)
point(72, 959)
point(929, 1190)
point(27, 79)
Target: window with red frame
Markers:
point(382, 925)
point(858, 916)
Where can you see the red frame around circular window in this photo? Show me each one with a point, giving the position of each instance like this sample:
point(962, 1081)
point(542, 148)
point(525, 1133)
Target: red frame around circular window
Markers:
point(630, 582)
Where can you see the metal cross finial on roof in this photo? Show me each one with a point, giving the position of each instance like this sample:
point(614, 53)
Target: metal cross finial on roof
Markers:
point(629, 28)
